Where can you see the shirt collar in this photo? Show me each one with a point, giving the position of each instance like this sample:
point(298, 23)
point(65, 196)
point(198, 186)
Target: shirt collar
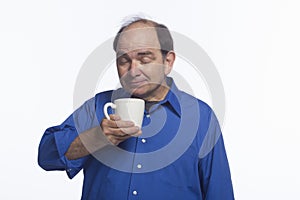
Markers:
point(172, 96)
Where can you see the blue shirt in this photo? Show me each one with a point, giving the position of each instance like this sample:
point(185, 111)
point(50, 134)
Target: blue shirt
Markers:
point(180, 154)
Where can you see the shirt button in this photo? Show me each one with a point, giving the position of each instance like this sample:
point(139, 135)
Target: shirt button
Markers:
point(148, 115)
point(139, 166)
point(68, 170)
point(143, 140)
point(134, 192)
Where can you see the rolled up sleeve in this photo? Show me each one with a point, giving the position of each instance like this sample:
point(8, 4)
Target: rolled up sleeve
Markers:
point(53, 146)
point(57, 140)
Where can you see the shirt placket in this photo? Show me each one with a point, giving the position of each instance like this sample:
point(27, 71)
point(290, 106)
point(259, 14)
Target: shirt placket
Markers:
point(134, 188)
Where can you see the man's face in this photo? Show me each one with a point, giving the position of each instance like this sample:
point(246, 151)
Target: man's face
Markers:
point(141, 67)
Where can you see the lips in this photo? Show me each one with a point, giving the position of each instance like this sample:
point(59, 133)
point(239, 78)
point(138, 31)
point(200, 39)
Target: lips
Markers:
point(137, 83)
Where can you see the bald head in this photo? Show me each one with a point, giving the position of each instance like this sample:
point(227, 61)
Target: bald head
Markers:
point(138, 36)
point(155, 35)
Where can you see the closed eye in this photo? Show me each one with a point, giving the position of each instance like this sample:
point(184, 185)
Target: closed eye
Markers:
point(123, 60)
point(145, 60)
point(146, 57)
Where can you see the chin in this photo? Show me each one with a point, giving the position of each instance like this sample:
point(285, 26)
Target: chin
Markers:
point(138, 92)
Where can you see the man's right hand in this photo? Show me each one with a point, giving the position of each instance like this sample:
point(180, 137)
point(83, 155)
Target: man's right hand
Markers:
point(117, 130)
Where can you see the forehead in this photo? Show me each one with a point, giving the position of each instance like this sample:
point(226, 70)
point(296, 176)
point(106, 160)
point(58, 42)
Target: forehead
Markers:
point(138, 36)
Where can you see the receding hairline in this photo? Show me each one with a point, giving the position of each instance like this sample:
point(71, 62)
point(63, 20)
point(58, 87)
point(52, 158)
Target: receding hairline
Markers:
point(148, 24)
point(163, 34)
point(141, 21)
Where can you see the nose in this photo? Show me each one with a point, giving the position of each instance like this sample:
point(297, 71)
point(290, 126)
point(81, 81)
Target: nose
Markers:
point(134, 68)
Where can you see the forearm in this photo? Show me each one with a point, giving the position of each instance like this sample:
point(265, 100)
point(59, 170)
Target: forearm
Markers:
point(87, 143)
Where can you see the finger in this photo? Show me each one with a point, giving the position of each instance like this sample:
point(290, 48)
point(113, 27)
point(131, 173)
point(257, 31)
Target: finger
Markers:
point(126, 136)
point(115, 124)
point(123, 131)
point(114, 117)
point(137, 134)
point(124, 124)
point(130, 130)
point(119, 124)
point(116, 140)
point(122, 138)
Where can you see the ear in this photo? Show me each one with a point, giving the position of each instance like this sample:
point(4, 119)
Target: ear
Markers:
point(169, 61)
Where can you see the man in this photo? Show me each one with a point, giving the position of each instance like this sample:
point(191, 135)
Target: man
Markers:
point(179, 153)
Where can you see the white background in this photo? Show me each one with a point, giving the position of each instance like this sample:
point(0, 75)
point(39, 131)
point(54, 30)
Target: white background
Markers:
point(254, 45)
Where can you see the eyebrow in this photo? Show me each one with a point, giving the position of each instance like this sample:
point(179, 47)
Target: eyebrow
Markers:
point(120, 53)
point(144, 53)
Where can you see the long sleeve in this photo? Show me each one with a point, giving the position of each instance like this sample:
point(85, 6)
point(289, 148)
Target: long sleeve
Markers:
point(214, 169)
point(54, 144)
point(56, 140)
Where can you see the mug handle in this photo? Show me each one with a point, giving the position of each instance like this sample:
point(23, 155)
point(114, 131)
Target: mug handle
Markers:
point(109, 104)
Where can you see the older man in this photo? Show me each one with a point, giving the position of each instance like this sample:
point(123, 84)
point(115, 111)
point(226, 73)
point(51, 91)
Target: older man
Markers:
point(181, 132)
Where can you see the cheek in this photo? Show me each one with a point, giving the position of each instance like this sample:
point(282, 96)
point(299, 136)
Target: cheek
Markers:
point(122, 74)
point(158, 75)
point(155, 72)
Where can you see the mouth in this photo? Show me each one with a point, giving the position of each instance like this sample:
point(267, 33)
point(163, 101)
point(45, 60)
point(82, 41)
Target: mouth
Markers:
point(135, 84)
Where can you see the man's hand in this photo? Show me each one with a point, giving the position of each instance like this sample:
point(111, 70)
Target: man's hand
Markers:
point(117, 130)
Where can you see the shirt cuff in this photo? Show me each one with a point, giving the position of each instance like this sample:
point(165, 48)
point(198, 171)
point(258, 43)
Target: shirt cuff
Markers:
point(63, 140)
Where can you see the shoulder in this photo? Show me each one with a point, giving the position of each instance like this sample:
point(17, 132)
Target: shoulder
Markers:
point(189, 100)
point(103, 95)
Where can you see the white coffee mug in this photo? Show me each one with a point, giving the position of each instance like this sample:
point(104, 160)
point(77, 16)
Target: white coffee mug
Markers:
point(129, 109)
